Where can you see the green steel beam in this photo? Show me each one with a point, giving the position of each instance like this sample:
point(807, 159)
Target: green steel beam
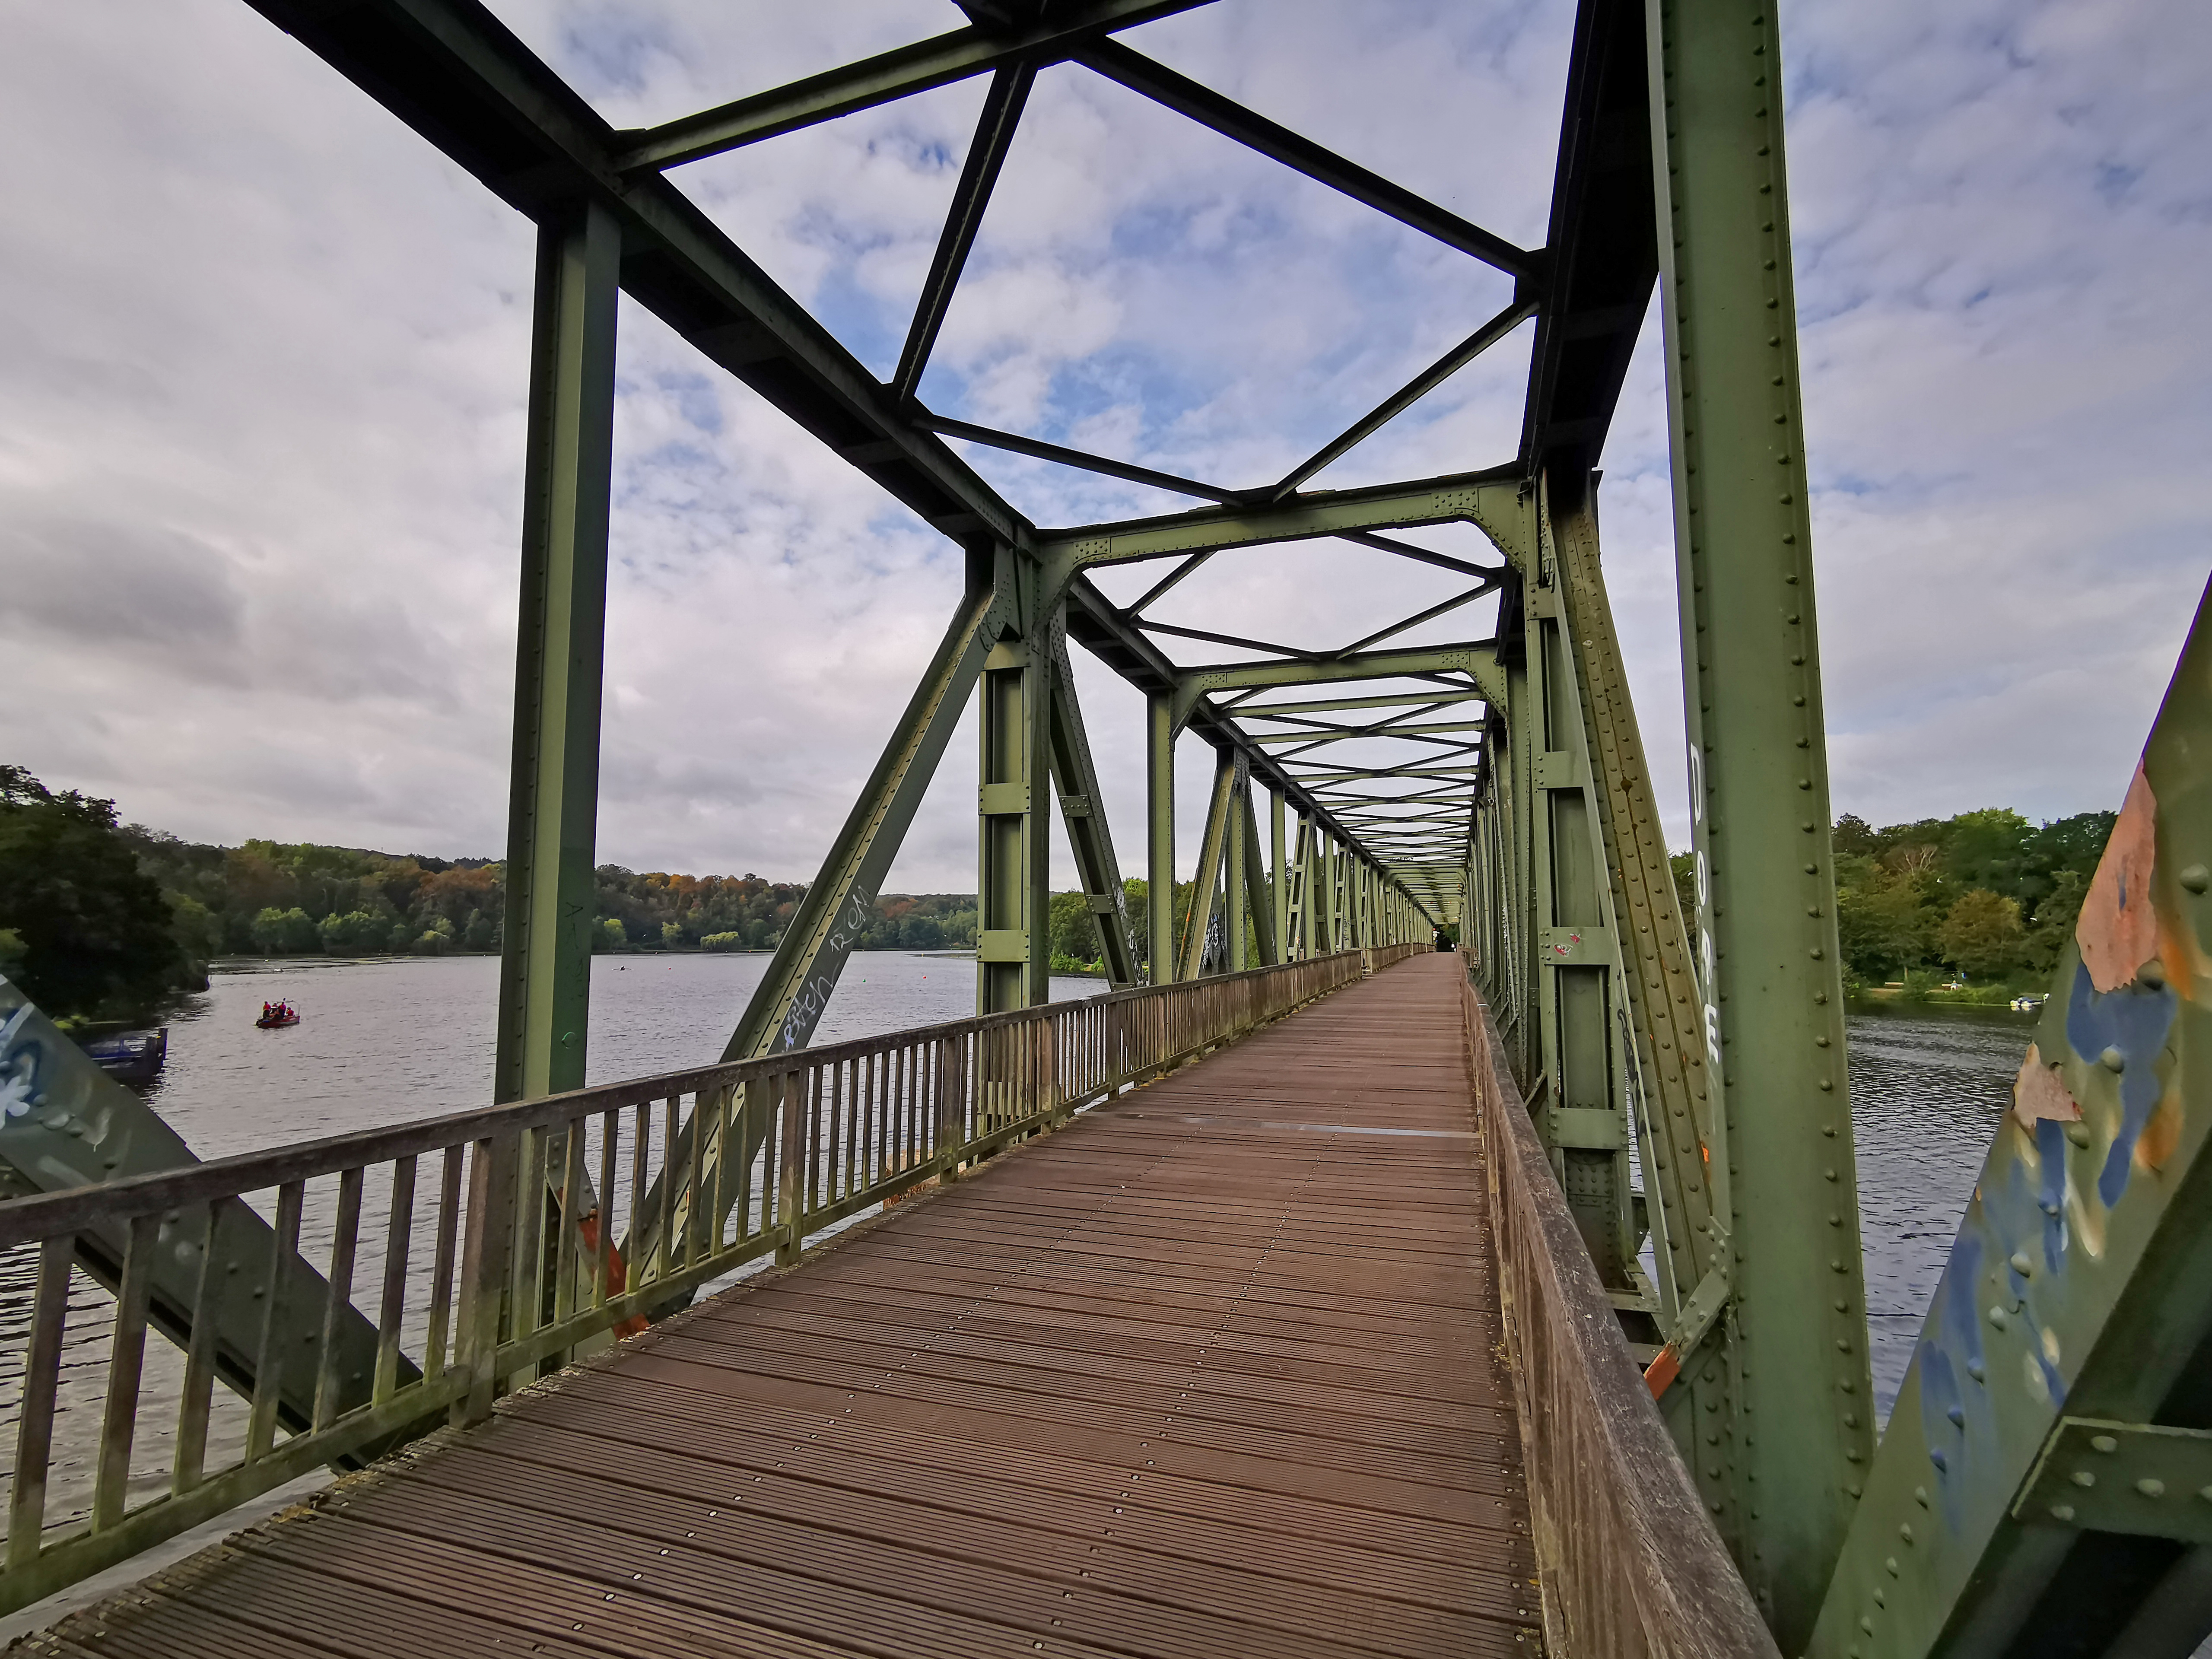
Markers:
point(1427, 730)
point(838, 904)
point(1759, 797)
point(1604, 260)
point(2041, 1488)
point(979, 174)
point(1489, 500)
point(1159, 839)
point(1198, 921)
point(1209, 108)
point(1095, 624)
point(1236, 872)
point(459, 76)
point(1437, 699)
point(1059, 454)
point(881, 80)
point(1013, 734)
point(1278, 883)
point(1515, 313)
point(1083, 813)
point(553, 800)
point(1685, 1158)
point(1476, 659)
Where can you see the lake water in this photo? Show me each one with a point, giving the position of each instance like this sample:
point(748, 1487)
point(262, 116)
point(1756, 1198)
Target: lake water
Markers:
point(387, 1041)
point(1928, 1094)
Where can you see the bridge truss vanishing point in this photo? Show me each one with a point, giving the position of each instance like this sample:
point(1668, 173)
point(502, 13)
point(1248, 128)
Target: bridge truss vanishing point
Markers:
point(1513, 800)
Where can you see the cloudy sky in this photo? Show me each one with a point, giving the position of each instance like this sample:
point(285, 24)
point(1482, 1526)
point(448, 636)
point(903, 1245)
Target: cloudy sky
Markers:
point(263, 356)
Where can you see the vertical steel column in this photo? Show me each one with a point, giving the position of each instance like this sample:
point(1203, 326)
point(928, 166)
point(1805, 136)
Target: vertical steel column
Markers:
point(1159, 840)
point(1759, 792)
point(1280, 884)
point(1198, 921)
point(545, 959)
point(1236, 941)
point(1013, 946)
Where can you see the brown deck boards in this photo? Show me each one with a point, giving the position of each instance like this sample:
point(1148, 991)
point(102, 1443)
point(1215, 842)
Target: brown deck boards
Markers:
point(1214, 1371)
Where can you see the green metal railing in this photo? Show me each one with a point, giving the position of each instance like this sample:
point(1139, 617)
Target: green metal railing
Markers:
point(490, 1238)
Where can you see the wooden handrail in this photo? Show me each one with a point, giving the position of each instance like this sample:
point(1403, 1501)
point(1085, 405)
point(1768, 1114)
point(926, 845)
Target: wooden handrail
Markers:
point(1630, 1562)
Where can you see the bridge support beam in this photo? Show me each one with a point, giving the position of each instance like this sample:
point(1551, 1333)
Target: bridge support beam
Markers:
point(1279, 884)
point(1197, 923)
point(1235, 875)
point(545, 963)
point(1255, 897)
point(1759, 792)
point(1159, 837)
point(1083, 810)
point(1012, 953)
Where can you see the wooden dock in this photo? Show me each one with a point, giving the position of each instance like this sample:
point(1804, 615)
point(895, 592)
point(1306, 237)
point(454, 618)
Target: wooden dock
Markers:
point(1213, 1371)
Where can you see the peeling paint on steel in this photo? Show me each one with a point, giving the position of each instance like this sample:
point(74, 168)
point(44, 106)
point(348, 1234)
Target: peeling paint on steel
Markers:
point(2118, 930)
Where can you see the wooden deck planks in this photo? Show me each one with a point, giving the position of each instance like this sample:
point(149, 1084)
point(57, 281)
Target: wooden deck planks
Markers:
point(1215, 1370)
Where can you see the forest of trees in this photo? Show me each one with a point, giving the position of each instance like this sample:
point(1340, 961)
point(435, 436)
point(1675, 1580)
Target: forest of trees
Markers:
point(99, 920)
point(1984, 899)
point(105, 921)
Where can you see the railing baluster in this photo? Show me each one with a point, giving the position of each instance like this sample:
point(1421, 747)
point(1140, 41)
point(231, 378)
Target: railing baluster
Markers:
point(848, 1121)
point(269, 1365)
point(669, 1109)
point(791, 1163)
point(398, 1235)
point(694, 1196)
point(34, 1430)
point(748, 1104)
point(812, 1111)
point(197, 1394)
point(610, 1131)
point(344, 1245)
point(442, 1264)
point(572, 1216)
point(531, 1197)
point(640, 1144)
point(126, 1363)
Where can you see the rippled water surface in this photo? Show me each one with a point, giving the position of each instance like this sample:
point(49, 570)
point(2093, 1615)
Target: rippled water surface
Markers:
point(1927, 1093)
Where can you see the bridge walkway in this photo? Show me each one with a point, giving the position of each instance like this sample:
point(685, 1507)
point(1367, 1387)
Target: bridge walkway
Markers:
point(1214, 1370)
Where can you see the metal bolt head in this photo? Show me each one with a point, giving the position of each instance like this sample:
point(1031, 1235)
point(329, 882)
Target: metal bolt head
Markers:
point(2104, 1443)
point(2150, 1488)
point(2112, 1061)
point(2062, 1511)
point(2022, 1265)
point(2083, 1478)
point(2196, 878)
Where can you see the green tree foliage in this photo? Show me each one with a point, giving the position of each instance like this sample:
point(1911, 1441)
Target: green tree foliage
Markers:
point(1986, 893)
point(1074, 937)
point(92, 937)
point(1983, 933)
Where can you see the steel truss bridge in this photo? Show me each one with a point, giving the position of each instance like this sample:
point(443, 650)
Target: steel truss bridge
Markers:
point(1659, 1174)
